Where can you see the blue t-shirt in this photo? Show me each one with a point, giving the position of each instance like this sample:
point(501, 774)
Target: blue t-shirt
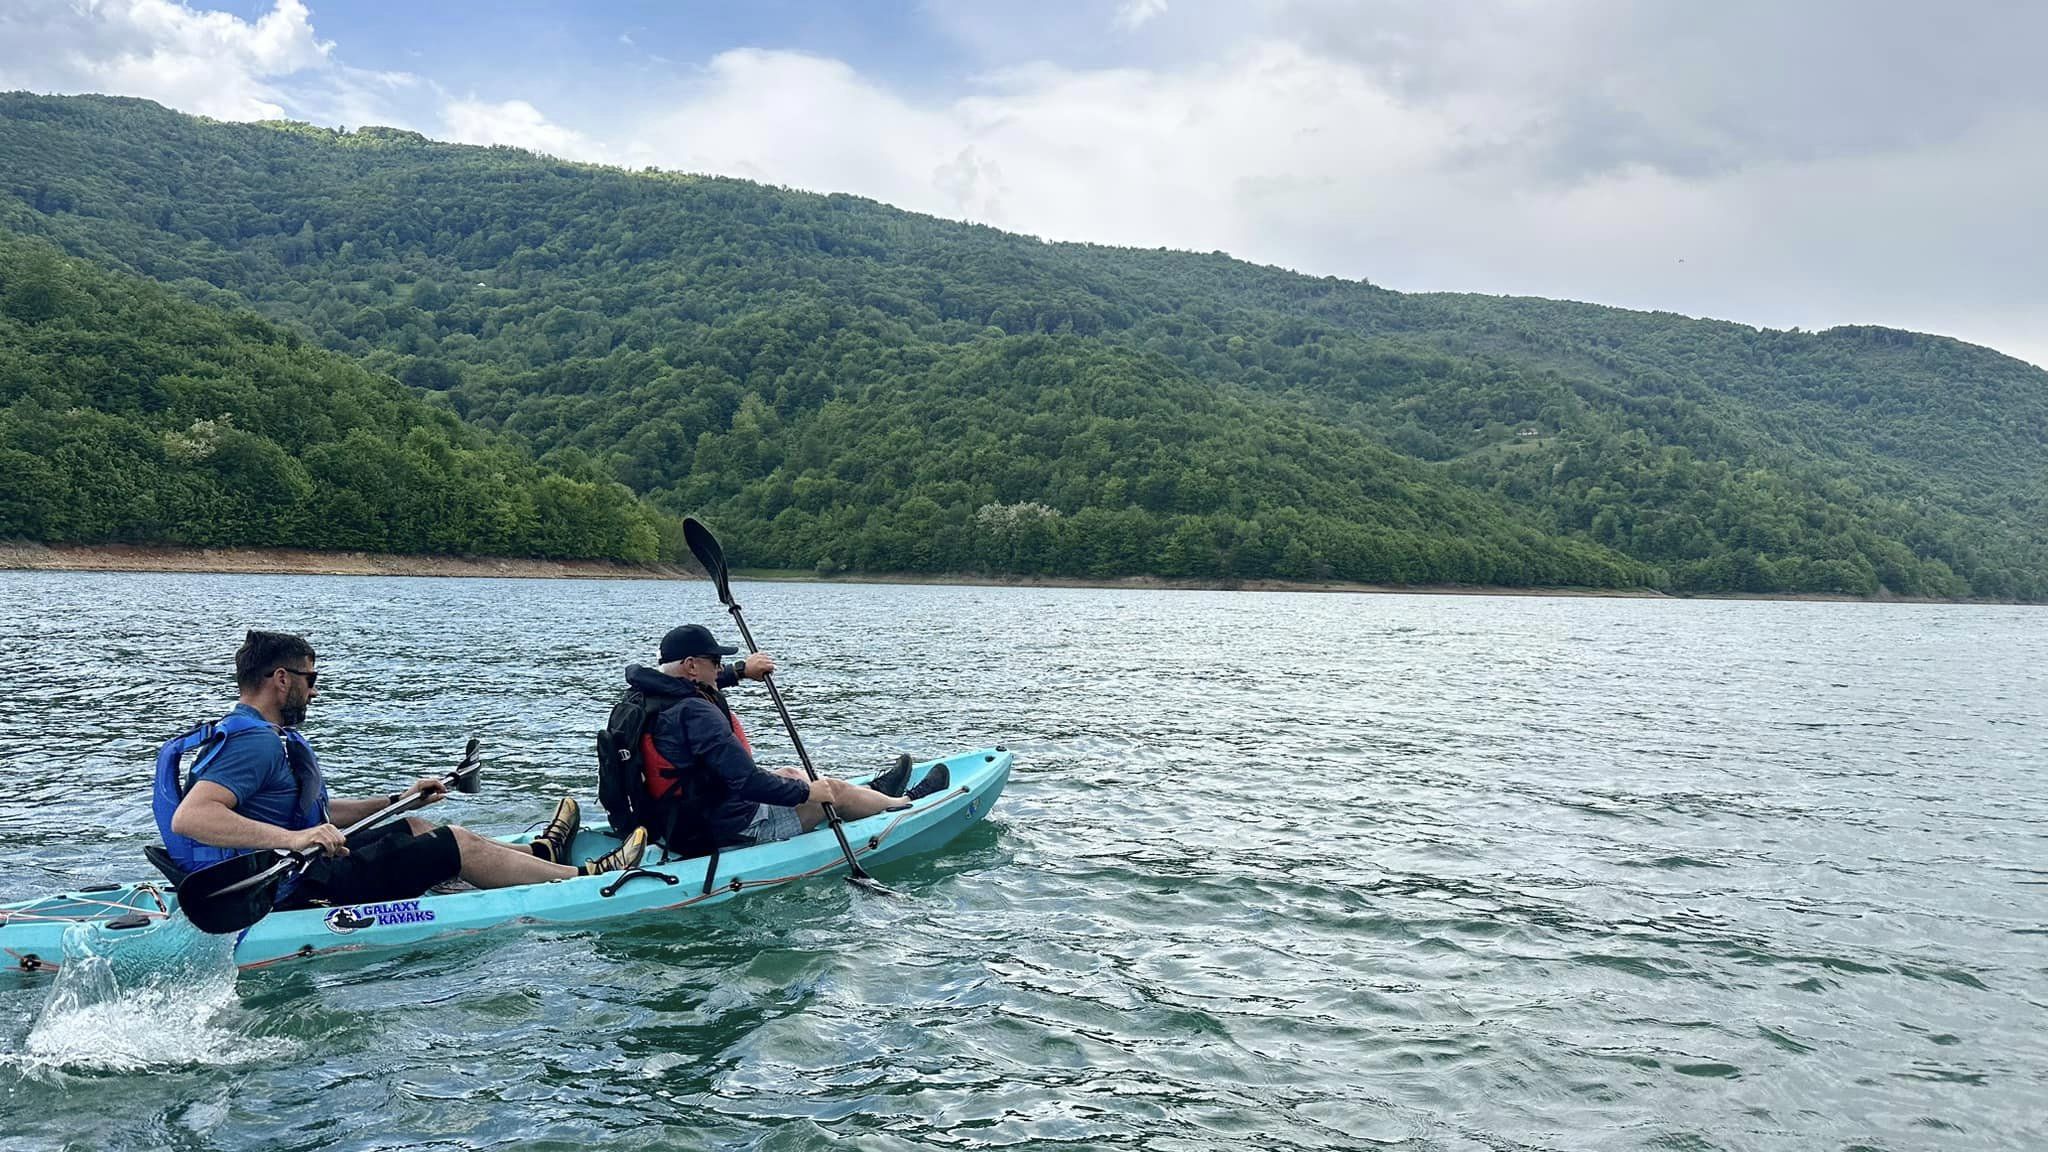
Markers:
point(254, 766)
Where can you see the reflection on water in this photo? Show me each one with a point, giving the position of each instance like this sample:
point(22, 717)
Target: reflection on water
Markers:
point(1287, 871)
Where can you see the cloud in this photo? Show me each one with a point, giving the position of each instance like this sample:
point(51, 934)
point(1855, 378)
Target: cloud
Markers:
point(212, 63)
point(1622, 154)
point(1127, 155)
point(831, 129)
point(357, 96)
point(1830, 162)
point(1579, 87)
point(517, 123)
point(1135, 14)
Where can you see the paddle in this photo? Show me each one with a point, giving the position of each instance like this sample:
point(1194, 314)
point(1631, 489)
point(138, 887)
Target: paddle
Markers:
point(704, 546)
point(234, 894)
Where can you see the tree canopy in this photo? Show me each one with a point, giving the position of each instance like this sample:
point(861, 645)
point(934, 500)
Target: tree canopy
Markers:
point(129, 414)
point(843, 385)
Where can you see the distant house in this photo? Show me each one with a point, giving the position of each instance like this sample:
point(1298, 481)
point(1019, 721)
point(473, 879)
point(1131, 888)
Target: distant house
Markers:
point(1529, 432)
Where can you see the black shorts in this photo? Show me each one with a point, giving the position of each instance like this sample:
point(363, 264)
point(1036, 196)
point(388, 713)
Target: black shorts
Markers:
point(387, 863)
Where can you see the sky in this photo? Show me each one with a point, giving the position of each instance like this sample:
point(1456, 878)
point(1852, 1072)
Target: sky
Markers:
point(1783, 163)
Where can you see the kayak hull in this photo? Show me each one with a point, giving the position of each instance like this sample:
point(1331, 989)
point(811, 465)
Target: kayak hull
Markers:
point(31, 932)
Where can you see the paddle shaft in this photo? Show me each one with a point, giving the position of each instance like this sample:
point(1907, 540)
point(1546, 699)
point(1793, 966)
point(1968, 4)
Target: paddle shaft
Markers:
point(304, 857)
point(797, 742)
point(705, 547)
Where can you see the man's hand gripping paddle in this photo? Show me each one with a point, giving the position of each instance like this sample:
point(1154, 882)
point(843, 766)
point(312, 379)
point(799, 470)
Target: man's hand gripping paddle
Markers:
point(235, 894)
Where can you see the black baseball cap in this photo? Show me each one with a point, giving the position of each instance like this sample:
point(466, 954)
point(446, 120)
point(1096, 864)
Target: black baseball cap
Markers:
point(691, 640)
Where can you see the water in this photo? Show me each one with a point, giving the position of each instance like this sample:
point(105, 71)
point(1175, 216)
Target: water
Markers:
point(1275, 871)
point(132, 1000)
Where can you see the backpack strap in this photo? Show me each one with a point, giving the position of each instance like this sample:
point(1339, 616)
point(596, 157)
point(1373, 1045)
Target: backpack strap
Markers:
point(710, 869)
point(710, 865)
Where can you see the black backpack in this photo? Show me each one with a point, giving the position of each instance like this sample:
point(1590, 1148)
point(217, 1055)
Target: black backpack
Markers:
point(677, 821)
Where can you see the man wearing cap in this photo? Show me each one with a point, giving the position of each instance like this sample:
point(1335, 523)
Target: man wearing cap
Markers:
point(692, 732)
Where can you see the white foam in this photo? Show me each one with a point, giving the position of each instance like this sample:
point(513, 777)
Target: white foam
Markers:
point(140, 998)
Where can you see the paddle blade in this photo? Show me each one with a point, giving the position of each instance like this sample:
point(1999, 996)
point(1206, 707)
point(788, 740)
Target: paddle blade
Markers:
point(233, 894)
point(704, 546)
point(466, 776)
point(867, 883)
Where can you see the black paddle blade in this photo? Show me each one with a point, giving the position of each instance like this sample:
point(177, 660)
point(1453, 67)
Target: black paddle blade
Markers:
point(867, 883)
point(704, 546)
point(206, 901)
point(467, 774)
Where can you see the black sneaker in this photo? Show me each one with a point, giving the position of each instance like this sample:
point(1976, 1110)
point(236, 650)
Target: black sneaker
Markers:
point(935, 781)
point(619, 859)
point(552, 845)
point(891, 783)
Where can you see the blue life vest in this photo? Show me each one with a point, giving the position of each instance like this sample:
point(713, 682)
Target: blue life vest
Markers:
point(209, 739)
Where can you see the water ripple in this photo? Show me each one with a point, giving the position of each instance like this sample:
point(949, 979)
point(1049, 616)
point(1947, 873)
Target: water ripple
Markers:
point(1420, 873)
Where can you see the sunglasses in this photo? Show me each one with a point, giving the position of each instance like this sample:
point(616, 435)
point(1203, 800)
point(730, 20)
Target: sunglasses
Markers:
point(311, 678)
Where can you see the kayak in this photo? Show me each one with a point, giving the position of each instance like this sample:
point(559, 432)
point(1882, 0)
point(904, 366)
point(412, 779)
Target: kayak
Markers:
point(32, 931)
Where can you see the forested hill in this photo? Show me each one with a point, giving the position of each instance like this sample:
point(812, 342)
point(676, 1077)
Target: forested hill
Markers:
point(841, 384)
point(129, 414)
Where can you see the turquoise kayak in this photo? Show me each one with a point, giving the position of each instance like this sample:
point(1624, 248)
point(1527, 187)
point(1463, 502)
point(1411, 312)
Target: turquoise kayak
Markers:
point(32, 931)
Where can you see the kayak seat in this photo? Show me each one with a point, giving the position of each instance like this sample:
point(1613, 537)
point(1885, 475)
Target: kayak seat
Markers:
point(159, 856)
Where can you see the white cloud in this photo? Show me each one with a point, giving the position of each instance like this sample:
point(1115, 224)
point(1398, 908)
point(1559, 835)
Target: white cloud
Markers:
point(517, 123)
point(1192, 160)
point(1135, 14)
point(1320, 161)
point(213, 63)
point(354, 97)
point(1839, 162)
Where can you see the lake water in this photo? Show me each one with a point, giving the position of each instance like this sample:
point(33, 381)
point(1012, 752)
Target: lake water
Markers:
point(1275, 871)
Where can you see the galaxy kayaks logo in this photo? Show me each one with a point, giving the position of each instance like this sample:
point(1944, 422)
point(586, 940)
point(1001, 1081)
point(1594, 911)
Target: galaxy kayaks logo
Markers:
point(345, 920)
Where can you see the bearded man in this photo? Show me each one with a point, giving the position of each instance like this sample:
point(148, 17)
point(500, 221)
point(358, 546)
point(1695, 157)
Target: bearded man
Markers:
point(255, 784)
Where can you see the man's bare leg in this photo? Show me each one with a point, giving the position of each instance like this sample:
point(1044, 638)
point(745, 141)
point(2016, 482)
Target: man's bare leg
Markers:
point(852, 800)
point(487, 863)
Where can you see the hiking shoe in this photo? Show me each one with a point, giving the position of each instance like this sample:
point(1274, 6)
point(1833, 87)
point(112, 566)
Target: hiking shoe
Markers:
point(619, 859)
point(892, 782)
point(552, 845)
point(935, 781)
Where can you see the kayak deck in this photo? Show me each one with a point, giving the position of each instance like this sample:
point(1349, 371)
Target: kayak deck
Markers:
point(31, 931)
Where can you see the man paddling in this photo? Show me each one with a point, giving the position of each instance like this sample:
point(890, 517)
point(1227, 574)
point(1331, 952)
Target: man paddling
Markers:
point(700, 771)
point(257, 785)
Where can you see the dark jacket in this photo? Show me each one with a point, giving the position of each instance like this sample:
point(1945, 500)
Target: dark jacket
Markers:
point(691, 730)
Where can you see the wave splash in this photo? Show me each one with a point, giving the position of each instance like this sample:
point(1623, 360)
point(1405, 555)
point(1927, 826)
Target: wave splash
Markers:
point(126, 1000)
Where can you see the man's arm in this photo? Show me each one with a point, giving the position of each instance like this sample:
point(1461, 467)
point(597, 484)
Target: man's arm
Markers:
point(349, 811)
point(346, 812)
point(711, 738)
point(207, 814)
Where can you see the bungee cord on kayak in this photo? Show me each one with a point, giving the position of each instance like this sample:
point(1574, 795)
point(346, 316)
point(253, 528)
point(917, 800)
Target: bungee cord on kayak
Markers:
point(35, 912)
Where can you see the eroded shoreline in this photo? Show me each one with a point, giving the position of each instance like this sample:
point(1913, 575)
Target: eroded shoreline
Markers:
point(32, 557)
